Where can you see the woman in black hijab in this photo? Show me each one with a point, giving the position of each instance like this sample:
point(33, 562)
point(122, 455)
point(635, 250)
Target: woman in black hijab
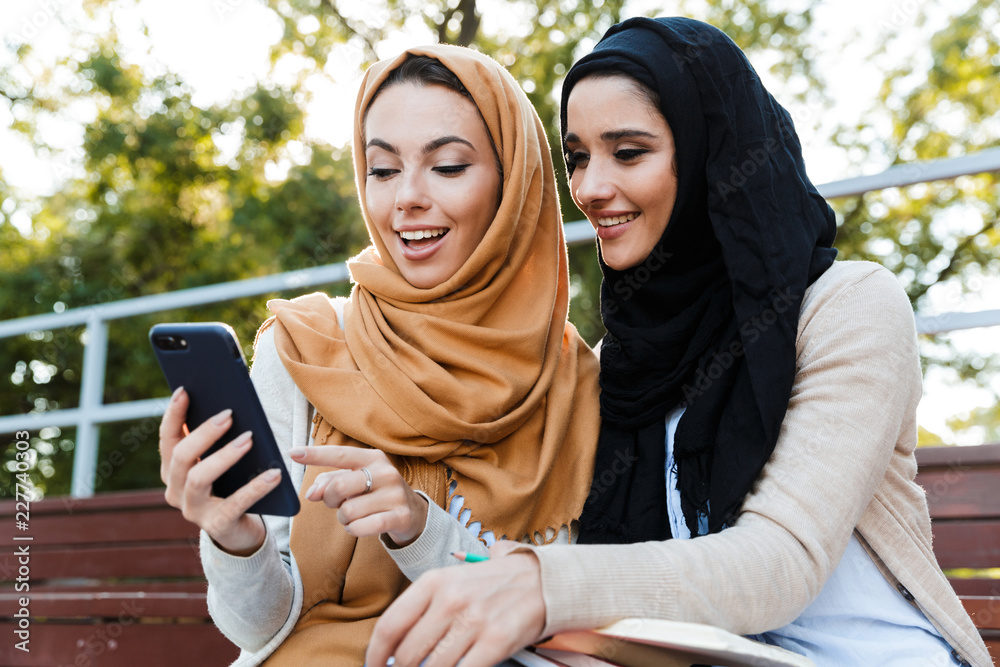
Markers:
point(726, 256)
point(755, 395)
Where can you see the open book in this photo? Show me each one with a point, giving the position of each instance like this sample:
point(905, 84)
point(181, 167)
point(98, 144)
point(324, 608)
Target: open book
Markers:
point(645, 642)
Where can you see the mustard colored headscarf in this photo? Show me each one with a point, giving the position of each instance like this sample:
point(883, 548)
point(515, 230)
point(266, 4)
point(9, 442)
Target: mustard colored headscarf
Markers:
point(480, 380)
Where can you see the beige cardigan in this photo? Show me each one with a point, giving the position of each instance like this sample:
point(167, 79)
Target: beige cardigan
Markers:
point(844, 461)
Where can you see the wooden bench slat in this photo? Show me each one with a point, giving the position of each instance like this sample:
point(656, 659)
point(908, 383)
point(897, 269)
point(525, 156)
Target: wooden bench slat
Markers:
point(126, 604)
point(993, 646)
point(948, 457)
point(121, 645)
point(132, 525)
point(973, 544)
point(985, 611)
point(976, 587)
point(961, 493)
point(103, 599)
point(178, 559)
point(65, 505)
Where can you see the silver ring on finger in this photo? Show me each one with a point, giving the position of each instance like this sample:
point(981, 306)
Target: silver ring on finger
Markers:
point(368, 481)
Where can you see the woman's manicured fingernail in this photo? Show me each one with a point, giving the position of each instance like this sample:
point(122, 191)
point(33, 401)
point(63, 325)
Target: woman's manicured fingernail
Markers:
point(243, 441)
point(222, 417)
point(297, 453)
point(272, 475)
point(311, 489)
point(177, 394)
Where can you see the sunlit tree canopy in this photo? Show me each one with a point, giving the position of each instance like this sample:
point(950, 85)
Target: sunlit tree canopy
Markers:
point(157, 186)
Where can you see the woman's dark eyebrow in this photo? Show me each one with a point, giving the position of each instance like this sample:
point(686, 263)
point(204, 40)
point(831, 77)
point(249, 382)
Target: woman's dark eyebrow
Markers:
point(428, 147)
point(378, 143)
point(614, 135)
point(442, 141)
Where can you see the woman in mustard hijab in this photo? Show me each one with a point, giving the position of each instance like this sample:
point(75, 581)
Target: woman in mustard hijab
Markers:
point(449, 381)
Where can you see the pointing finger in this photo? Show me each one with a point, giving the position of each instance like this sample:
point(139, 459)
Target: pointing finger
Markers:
point(335, 456)
point(318, 489)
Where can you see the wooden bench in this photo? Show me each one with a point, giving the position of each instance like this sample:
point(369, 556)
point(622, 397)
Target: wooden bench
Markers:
point(963, 494)
point(116, 580)
point(113, 580)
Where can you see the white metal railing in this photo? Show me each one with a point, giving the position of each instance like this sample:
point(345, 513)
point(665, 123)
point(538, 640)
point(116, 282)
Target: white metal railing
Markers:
point(92, 412)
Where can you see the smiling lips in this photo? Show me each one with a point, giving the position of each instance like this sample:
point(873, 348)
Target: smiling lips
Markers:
point(419, 244)
point(611, 221)
point(419, 234)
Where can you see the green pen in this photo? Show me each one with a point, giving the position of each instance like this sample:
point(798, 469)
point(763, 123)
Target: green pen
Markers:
point(469, 558)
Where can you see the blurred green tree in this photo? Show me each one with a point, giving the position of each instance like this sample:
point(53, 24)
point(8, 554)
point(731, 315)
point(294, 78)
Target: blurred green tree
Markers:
point(164, 202)
point(164, 194)
point(941, 236)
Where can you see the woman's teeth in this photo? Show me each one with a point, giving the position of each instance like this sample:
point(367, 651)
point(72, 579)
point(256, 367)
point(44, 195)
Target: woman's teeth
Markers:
point(617, 220)
point(422, 234)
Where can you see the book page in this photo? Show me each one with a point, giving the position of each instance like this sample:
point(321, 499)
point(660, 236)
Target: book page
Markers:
point(657, 643)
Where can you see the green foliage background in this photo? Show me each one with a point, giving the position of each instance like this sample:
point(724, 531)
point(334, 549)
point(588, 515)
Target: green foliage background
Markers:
point(157, 199)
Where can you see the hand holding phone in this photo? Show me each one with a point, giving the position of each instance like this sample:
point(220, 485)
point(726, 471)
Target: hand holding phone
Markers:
point(189, 474)
point(225, 467)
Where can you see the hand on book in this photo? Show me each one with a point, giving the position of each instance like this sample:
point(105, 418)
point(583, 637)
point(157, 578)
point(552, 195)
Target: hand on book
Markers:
point(477, 613)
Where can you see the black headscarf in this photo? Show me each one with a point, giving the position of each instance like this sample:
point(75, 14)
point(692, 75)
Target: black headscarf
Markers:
point(710, 317)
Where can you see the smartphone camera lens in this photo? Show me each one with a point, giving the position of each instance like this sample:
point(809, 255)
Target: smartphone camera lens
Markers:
point(170, 342)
